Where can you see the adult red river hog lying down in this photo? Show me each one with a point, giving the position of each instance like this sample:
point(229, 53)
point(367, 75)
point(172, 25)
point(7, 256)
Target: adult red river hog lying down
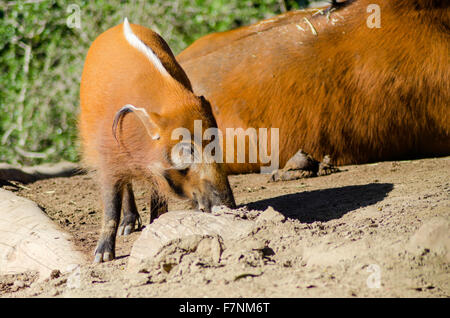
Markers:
point(129, 69)
point(362, 81)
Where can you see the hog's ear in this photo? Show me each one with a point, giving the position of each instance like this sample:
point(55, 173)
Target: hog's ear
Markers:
point(157, 121)
point(152, 122)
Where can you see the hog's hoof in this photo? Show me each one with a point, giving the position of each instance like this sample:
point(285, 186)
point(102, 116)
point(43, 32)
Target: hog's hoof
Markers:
point(127, 226)
point(288, 175)
point(303, 165)
point(326, 168)
point(104, 252)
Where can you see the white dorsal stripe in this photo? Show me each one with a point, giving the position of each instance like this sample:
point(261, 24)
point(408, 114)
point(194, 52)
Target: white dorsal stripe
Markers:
point(138, 44)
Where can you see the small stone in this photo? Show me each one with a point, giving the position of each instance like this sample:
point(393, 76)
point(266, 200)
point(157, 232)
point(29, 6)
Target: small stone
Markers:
point(433, 235)
point(19, 284)
point(271, 215)
point(138, 280)
point(287, 263)
point(56, 273)
point(210, 248)
point(254, 244)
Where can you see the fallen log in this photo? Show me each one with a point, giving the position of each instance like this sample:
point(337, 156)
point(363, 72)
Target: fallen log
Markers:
point(30, 241)
point(31, 174)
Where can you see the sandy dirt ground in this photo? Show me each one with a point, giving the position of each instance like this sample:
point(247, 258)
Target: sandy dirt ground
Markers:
point(376, 230)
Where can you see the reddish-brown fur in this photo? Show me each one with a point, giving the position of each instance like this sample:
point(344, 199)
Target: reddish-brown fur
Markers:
point(216, 41)
point(116, 74)
point(356, 93)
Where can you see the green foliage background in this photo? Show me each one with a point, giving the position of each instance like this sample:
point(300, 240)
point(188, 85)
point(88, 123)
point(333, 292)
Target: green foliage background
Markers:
point(41, 59)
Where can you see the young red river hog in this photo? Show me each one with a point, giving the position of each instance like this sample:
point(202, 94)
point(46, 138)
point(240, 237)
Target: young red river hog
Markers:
point(130, 69)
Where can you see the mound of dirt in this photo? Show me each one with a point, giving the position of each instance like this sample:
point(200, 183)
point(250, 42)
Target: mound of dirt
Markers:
point(179, 224)
point(187, 240)
point(376, 230)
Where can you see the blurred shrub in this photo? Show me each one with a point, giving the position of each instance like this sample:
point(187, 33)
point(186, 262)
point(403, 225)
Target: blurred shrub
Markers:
point(41, 59)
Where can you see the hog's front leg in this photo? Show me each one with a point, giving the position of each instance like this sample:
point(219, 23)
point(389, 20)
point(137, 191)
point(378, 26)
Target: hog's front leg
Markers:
point(112, 191)
point(158, 205)
point(303, 165)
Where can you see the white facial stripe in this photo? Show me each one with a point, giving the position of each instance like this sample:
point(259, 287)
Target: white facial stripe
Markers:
point(140, 46)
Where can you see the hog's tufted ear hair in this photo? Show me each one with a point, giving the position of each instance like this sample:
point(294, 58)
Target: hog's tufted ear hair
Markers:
point(151, 122)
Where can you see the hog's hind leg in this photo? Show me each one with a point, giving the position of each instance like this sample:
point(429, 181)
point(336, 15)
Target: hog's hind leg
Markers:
point(130, 212)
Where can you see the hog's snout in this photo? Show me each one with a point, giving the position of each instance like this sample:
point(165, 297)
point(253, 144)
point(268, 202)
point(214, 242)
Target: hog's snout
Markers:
point(210, 196)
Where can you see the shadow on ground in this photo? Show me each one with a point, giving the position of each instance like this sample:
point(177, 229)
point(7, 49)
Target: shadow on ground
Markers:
point(327, 204)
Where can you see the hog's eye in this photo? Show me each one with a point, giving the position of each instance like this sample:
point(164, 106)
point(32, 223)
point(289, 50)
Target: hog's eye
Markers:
point(183, 172)
point(183, 155)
